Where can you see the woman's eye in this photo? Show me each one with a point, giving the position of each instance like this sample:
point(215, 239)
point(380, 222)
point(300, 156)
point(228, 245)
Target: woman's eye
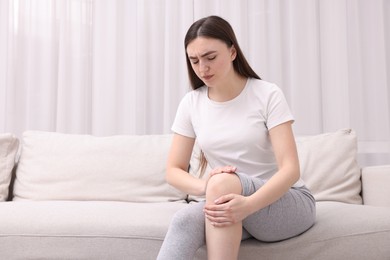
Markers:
point(211, 58)
point(194, 61)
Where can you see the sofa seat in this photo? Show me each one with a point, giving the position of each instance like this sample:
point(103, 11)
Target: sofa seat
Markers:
point(125, 230)
point(342, 231)
point(110, 230)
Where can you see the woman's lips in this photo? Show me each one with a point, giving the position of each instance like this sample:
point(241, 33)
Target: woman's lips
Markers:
point(208, 77)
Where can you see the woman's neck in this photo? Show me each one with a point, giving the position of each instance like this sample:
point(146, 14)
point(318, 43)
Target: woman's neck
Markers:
point(227, 90)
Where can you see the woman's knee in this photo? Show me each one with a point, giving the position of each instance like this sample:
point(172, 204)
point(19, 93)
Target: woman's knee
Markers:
point(222, 184)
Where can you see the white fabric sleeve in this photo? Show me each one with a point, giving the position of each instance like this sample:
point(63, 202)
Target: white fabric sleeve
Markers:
point(183, 124)
point(278, 109)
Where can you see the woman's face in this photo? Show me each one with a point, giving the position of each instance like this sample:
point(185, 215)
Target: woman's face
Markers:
point(211, 60)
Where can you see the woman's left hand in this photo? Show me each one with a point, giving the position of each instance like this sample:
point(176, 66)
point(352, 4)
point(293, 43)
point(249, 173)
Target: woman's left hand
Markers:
point(227, 210)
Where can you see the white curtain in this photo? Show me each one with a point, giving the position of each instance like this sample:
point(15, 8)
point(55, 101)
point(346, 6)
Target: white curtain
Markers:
point(95, 67)
point(108, 67)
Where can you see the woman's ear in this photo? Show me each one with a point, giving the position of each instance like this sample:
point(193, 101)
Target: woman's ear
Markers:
point(233, 52)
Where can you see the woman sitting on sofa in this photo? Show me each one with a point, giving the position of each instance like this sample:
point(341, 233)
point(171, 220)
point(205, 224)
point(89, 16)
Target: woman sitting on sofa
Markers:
point(243, 127)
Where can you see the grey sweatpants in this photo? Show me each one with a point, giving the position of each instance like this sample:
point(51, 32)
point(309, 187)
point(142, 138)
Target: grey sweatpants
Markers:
point(291, 215)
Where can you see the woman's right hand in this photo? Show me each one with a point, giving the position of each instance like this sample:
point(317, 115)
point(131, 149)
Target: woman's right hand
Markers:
point(223, 169)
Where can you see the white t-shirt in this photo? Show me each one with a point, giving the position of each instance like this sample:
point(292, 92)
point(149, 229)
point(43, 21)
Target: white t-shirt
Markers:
point(235, 132)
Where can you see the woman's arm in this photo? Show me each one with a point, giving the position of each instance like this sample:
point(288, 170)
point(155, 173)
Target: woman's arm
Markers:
point(177, 167)
point(288, 173)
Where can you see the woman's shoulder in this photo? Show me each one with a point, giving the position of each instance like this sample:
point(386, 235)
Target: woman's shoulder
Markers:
point(196, 93)
point(262, 87)
point(199, 91)
point(192, 97)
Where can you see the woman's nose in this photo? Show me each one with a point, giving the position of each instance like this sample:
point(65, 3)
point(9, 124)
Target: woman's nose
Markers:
point(203, 67)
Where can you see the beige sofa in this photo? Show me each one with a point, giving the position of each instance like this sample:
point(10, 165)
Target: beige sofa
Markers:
point(86, 197)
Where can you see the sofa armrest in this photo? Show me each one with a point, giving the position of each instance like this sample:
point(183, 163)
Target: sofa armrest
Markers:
point(376, 185)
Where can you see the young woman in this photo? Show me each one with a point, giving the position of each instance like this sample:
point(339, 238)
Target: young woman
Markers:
point(243, 127)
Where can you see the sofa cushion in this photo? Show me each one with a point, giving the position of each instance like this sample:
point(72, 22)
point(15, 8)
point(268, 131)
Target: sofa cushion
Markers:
point(112, 230)
point(329, 167)
point(56, 166)
point(8, 148)
point(83, 229)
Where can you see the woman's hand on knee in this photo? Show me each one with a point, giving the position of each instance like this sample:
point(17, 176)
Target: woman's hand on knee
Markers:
point(228, 210)
point(223, 169)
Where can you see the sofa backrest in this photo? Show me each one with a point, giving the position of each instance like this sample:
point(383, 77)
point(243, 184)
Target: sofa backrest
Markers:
point(55, 166)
